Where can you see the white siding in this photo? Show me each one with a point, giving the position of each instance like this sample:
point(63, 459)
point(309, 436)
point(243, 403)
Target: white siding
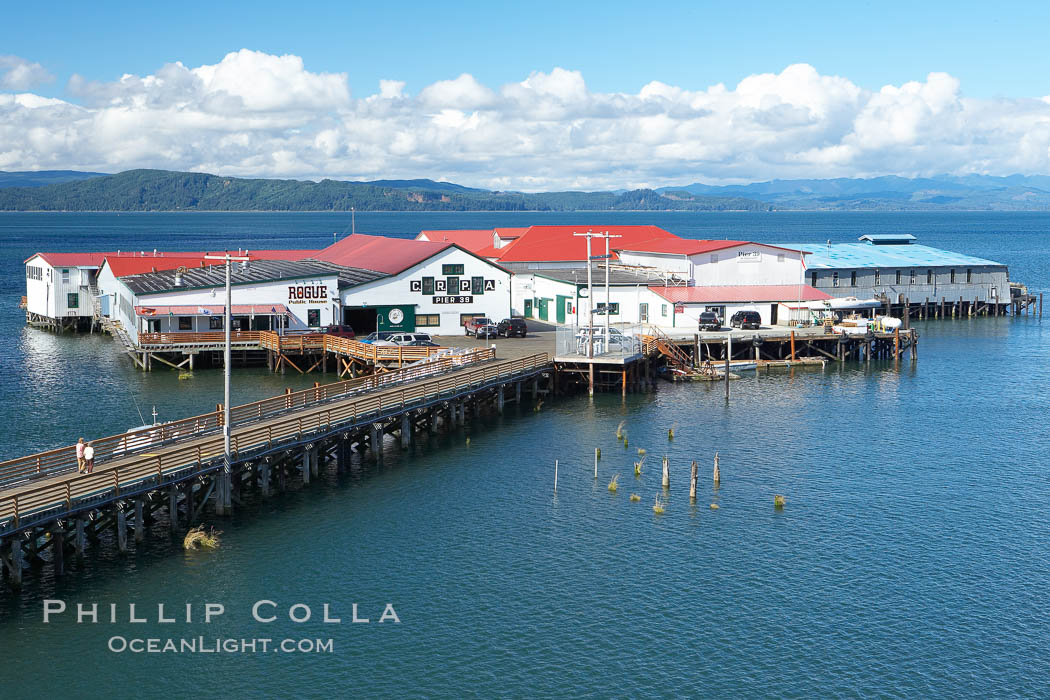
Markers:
point(400, 290)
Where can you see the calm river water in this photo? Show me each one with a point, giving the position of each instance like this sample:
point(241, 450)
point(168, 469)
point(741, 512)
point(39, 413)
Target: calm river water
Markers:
point(912, 558)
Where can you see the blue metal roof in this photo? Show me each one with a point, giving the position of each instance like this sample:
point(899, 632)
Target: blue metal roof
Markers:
point(858, 255)
point(884, 238)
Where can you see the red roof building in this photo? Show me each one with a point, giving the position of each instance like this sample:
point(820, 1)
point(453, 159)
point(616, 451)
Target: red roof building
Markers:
point(381, 253)
point(122, 266)
point(557, 243)
point(472, 240)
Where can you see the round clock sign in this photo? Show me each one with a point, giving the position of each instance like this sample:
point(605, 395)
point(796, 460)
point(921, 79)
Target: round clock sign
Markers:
point(396, 316)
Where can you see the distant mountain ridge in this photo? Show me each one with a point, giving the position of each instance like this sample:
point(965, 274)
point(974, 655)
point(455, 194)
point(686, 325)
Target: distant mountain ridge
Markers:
point(39, 178)
point(966, 192)
point(162, 190)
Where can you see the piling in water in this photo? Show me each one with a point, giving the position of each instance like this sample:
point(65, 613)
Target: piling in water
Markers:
point(613, 485)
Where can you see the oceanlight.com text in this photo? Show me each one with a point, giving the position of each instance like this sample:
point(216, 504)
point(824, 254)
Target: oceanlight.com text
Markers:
point(218, 645)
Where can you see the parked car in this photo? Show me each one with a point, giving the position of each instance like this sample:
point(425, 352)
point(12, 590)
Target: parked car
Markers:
point(471, 326)
point(512, 326)
point(376, 335)
point(340, 331)
point(745, 319)
point(489, 330)
point(423, 344)
point(404, 339)
point(709, 321)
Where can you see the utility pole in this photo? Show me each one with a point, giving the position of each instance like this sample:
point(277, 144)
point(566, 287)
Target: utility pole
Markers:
point(224, 482)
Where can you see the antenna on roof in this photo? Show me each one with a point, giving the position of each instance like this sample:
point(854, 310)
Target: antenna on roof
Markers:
point(353, 222)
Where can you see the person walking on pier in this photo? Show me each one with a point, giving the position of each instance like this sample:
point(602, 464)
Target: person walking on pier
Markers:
point(89, 458)
point(80, 456)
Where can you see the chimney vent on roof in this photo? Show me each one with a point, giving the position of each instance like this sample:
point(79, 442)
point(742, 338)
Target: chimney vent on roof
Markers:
point(179, 272)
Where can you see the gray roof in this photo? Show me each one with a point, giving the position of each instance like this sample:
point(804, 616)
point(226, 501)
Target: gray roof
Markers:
point(257, 271)
point(579, 276)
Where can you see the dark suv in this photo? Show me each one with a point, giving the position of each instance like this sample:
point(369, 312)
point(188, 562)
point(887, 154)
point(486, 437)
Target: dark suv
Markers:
point(709, 321)
point(512, 326)
point(340, 331)
point(746, 319)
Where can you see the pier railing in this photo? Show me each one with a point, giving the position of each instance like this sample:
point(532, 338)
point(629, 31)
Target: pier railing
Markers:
point(298, 343)
point(63, 459)
point(147, 470)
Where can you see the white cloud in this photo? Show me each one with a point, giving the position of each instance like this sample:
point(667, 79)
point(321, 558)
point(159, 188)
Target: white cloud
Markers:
point(255, 114)
point(19, 74)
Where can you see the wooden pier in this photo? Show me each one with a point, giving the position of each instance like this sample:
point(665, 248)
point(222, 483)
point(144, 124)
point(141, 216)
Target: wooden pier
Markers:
point(49, 512)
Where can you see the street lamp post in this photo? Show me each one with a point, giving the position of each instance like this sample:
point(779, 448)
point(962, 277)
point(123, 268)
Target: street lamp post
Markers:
point(224, 483)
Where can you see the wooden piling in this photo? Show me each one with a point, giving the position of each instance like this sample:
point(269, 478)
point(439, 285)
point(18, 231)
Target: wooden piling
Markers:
point(717, 475)
point(173, 508)
point(406, 431)
point(729, 350)
point(58, 548)
point(792, 346)
point(16, 563)
point(306, 466)
point(692, 483)
point(555, 476)
point(140, 526)
point(79, 540)
point(666, 482)
point(596, 452)
point(122, 530)
point(499, 400)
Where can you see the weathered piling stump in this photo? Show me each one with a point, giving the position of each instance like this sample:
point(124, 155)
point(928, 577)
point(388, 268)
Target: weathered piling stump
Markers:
point(692, 483)
point(666, 481)
point(717, 475)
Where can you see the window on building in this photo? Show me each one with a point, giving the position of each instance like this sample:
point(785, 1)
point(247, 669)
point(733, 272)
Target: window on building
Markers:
point(780, 257)
point(313, 318)
point(643, 312)
point(813, 279)
point(969, 276)
point(34, 273)
point(713, 257)
point(834, 279)
point(953, 277)
point(215, 323)
point(185, 323)
point(428, 320)
point(878, 277)
point(911, 276)
point(428, 286)
point(477, 285)
point(929, 277)
point(663, 309)
point(447, 270)
point(453, 286)
point(853, 278)
point(65, 276)
point(898, 277)
point(73, 301)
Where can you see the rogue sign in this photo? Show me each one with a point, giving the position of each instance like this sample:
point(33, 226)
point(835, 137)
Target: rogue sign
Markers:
point(306, 293)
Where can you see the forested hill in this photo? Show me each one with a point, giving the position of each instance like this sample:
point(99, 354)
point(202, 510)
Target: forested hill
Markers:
point(162, 190)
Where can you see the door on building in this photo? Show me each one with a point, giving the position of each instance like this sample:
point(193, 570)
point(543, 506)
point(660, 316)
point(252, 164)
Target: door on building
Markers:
point(543, 309)
point(773, 314)
point(528, 308)
point(362, 319)
point(562, 301)
point(643, 313)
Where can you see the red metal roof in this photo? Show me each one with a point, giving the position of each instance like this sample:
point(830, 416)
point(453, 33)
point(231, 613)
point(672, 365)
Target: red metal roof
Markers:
point(556, 243)
point(678, 246)
point(71, 259)
point(468, 239)
point(381, 253)
point(123, 266)
point(211, 310)
point(488, 251)
point(739, 293)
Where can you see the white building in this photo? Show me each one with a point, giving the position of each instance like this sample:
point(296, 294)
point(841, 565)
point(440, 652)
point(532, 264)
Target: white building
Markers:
point(431, 286)
point(266, 295)
point(718, 263)
point(60, 289)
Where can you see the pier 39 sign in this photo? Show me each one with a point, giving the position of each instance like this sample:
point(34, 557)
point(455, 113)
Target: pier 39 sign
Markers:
point(452, 289)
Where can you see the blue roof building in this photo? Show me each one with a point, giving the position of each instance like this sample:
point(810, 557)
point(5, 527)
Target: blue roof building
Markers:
point(893, 267)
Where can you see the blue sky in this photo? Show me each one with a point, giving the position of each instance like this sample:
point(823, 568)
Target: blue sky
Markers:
point(528, 96)
point(992, 48)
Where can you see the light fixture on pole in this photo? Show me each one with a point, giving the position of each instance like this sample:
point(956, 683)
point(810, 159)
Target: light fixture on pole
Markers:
point(224, 485)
